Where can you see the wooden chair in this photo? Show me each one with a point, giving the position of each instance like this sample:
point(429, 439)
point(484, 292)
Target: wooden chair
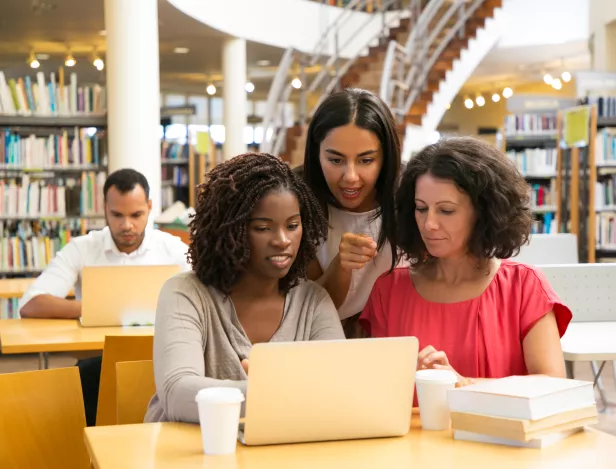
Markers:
point(135, 388)
point(42, 420)
point(118, 349)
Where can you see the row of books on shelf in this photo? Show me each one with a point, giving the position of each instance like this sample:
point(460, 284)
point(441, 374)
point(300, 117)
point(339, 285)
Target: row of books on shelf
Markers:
point(26, 96)
point(171, 151)
point(531, 124)
point(605, 146)
point(542, 195)
point(606, 230)
point(168, 196)
point(25, 248)
point(605, 194)
point(61, 198)
point(9, 308)
point(64, 150)
point(606, 105)
point(535, 161)
point(175, 176)
point(545, 224)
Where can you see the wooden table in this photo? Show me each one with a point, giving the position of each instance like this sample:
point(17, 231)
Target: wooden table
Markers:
point(14, 287)
point(178, 446)
point(57, 335)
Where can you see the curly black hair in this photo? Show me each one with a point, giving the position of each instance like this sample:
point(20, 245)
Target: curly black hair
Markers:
point(219, 250)
point(498, 192)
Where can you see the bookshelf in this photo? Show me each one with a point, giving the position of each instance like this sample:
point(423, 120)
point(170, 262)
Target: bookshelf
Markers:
point(530, 141)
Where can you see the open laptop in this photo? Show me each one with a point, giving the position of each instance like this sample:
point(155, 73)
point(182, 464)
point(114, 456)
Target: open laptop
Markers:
point(329, 390)
point(122, 295)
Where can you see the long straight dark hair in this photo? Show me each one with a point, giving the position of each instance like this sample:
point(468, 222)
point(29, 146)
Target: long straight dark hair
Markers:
point(369, 112)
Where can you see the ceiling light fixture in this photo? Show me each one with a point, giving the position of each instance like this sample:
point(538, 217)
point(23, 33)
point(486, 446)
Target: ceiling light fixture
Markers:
point(566, 76)
point(480, 100)
point(557, 84)
point(42, 56)
point(181, 50)
point(32, 61)
point(496, 97)
point(70, 60)
point(211, 89)
point(263, 63)
point(98, 63)
point(507, 93)
point(468, 103)
point(547, 78)
point(296, 83)
point(249, 87)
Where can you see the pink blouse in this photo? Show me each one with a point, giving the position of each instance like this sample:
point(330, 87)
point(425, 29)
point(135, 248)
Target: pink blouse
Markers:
point(483, 336)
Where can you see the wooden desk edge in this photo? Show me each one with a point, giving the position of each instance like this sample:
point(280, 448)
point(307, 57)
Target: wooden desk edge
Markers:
point(60, 347)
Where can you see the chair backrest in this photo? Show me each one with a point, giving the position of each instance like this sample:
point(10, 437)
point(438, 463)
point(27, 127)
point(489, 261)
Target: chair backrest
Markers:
point(589, 290)
point(42, 420)
point(548, 249)
point(135, 388)
point(123, 348)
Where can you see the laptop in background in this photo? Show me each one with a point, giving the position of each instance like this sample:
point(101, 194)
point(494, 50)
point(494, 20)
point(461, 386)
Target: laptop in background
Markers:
point(329, 390)
point(122, 295)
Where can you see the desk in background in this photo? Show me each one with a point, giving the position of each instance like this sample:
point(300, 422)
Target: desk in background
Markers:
point(16, 287)
point(57, 335)
point(178, 446)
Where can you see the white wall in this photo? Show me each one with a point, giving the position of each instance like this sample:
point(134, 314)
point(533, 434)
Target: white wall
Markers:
point(284, 23)
point(544, 22)
point(602, 13)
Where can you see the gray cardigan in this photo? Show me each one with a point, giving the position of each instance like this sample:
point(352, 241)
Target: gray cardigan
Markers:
point(199, 341)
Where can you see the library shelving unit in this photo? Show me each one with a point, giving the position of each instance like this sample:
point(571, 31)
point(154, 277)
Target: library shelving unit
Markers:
point(589, 177)
point(530, 141)
point(52, 172)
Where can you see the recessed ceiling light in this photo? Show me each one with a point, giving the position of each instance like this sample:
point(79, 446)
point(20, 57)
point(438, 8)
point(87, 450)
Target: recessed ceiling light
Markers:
point(102, 32)
point(181, 50)
point(263, 63)
point(42, 56)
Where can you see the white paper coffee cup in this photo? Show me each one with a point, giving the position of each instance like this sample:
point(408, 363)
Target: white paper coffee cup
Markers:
point(432, 386)
point(219, 417)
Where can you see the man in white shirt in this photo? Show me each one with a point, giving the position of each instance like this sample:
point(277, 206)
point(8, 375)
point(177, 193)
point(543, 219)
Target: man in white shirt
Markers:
point(125, 241)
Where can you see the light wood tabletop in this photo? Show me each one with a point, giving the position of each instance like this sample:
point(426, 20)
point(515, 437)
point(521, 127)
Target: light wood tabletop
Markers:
point(57, 335)
point(178, 446)
point(16, 287)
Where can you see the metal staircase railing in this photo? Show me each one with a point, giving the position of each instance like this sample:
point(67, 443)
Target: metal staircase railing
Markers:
point(406, 67)
point(324, 64)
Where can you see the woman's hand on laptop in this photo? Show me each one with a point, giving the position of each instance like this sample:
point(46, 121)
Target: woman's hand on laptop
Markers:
point(430, 358)
point(245, 365)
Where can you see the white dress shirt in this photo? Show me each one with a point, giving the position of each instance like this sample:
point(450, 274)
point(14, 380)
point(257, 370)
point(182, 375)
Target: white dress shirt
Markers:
point(98, 248)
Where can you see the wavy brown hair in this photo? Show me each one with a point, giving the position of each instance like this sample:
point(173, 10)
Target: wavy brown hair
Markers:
point(219, 250)
point(498, 192)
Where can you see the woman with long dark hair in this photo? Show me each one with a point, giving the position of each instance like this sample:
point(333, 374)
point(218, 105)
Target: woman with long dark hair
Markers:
point(352, 163)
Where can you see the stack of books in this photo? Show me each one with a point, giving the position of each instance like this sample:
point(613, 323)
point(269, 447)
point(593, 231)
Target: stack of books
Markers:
point(525, 411)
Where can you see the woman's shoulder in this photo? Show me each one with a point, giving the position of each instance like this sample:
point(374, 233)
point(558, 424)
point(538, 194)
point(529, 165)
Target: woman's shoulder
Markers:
point(189, 285)
point(520, 274)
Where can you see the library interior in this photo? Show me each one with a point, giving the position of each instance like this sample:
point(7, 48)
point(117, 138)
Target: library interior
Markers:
point(256, 233)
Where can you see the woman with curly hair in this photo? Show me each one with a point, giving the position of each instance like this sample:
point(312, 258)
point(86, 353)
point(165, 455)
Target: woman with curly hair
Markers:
point(462, 210)
point(254, 233)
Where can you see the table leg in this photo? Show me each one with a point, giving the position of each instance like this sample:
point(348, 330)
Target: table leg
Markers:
point(569, 369)
point(43, 360)
point(597, 383)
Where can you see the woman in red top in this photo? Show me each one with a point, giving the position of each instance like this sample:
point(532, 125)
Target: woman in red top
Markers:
point(462, 210)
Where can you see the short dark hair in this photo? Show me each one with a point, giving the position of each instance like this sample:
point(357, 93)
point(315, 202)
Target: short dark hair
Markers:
point(219, 249)
point(125, 180)
point(369, 112)
point(498, 192)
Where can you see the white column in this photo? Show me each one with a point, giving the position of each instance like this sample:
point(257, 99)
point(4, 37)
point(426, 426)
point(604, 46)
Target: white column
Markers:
point(234, 96)
point(133, 90)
